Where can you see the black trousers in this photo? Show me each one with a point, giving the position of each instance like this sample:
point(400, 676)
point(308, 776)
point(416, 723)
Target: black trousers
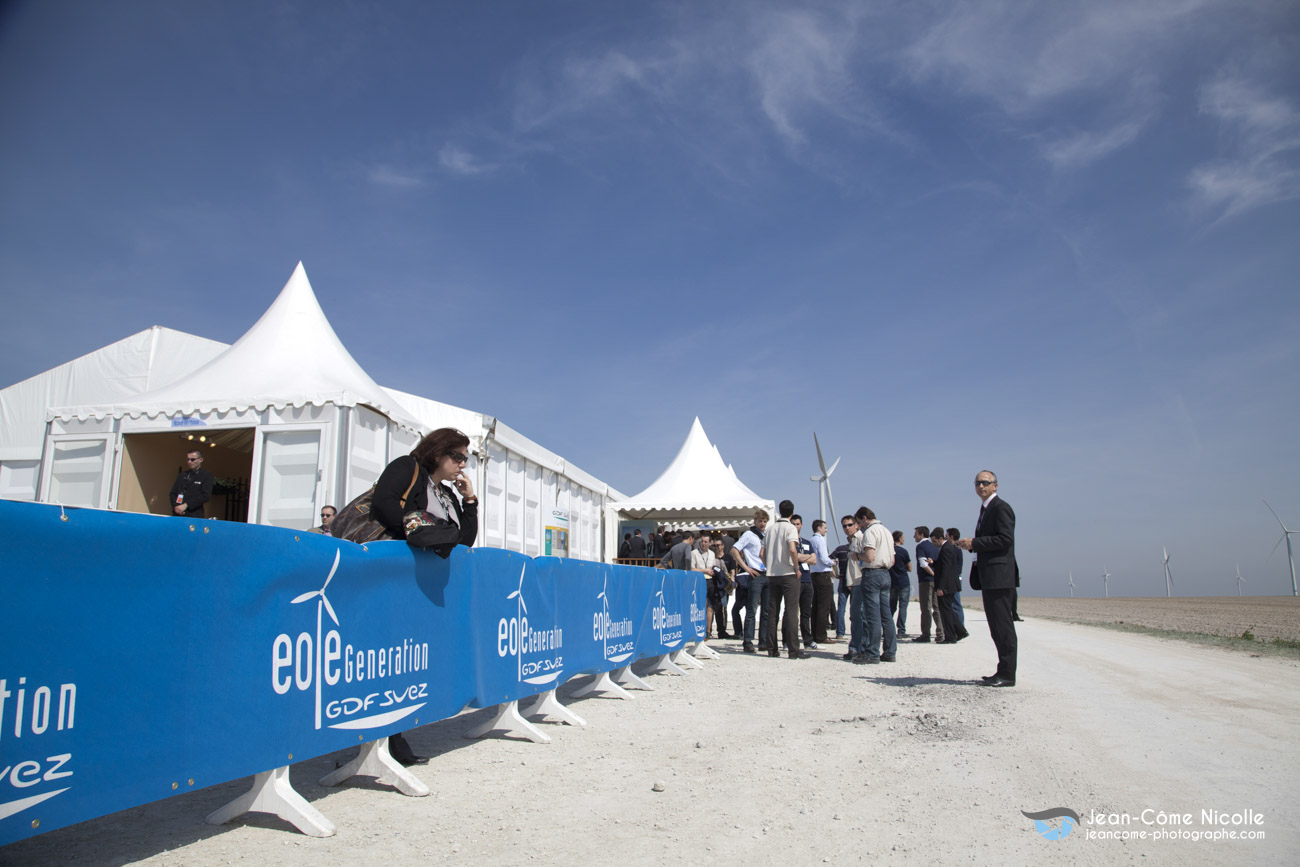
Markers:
point(805, 612)
point(823, 604)
point(948, 618)
point(738, 611)
point(997, 608)
point(784, 589)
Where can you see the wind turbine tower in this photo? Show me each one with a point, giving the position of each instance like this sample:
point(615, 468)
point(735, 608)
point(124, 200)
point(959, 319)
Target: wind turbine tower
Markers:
point(1240, 580)
point(1105, 578)
point(824, 497)
point(1286, 534)
point(1169, 581)
point(1071, 584)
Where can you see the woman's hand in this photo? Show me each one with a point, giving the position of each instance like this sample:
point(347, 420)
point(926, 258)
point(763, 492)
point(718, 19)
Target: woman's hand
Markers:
point(464, 486)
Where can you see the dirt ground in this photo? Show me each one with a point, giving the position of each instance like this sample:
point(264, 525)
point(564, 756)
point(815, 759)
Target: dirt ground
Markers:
point(775, 761)
point(1267, 617)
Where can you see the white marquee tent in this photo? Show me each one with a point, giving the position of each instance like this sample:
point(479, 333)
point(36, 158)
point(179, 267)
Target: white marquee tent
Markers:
point(697, 489)
point(288, 408)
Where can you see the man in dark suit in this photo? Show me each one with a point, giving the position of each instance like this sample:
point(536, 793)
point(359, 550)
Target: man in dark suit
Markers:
point(994, 572)
point(947, 583)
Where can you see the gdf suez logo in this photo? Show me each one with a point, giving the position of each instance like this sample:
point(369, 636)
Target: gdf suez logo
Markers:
point(536, 651)
point(325, 660)
point(1052, 831)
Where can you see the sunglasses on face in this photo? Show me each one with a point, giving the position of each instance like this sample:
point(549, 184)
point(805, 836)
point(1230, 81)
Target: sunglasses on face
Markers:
point(983, 484)
point(458, 457)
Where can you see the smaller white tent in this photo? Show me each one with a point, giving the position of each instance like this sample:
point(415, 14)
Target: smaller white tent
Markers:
point(697, 489)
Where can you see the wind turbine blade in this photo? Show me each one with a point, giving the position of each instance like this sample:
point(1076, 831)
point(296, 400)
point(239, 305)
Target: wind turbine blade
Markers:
point(835, 517)
point(330, 609)
point(333, 569)
point(1276, 518)
point(832, 469)
point(304, 597)
point(1275, 546)
point(820, 462)
point(816, 479)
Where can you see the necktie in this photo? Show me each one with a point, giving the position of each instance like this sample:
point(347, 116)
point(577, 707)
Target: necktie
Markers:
point(980, 519)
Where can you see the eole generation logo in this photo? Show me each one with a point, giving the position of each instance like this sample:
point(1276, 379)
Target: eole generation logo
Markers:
point(605, 629)
point(31, 711)
point(669, 625)
point(1069, 821)
point(537, 651)
point(351, 674)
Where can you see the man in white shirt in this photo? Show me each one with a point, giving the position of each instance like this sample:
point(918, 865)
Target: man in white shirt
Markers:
point(748, 554)
point(874, 555)
point(781, 553)
point(703, 560)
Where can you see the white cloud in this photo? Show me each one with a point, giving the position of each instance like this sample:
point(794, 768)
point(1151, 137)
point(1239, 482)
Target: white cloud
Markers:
point(1261, 133)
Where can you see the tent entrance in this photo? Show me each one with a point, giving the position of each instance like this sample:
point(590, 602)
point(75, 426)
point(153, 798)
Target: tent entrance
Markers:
point(151, 462)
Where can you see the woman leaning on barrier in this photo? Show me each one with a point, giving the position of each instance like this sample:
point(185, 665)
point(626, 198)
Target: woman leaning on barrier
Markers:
point(437, 460)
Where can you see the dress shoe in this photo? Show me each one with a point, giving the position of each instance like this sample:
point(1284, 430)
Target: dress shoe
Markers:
point(960, 637)
point(924, 639)
point(402, 753)
point(888, 658)
point(1018, 619)
point(749, 648)
point(774, 653)
point(991, 677)
point(1000, 681)
point(799, 654)
point(848, 657)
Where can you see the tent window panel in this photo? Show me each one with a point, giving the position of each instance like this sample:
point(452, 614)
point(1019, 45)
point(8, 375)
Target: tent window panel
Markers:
point(368, 451)
point(18, 480)
point(533, 510)
point(77, 472)
point(515, 505)
point(291, 462)
point(492, 512)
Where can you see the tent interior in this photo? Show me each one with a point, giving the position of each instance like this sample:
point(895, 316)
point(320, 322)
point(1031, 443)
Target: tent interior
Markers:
point(151, 461)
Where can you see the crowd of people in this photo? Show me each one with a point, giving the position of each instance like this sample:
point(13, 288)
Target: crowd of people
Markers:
point(789, 592)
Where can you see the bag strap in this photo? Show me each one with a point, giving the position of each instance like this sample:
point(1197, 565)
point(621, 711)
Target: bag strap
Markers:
point(415, 475)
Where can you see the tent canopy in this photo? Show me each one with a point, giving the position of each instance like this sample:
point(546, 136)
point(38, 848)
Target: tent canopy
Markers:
point(290, 357)
point(697, 488)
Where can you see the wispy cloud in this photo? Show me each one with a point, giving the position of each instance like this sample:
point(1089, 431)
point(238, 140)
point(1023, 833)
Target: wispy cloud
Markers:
point(388, 176)
point(1261, 132)
point(462, 162)
point(1083, 148)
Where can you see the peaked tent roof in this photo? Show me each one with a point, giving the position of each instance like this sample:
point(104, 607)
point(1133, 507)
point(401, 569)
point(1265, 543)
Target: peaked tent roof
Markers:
point(698, 483)
point(290, 357)
point(122, 370)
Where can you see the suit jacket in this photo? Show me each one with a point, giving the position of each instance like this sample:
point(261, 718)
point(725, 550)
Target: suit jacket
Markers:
point(995, 543)
point(947, 570)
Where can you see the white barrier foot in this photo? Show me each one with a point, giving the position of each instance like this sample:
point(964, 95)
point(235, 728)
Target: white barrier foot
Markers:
point(665, 665)
point(626, 677)
point(548, 705)
point(508, 719)
point(603, 685)
point(374, 760)
point(271, 793)
point(701, 650)
point(680, 656)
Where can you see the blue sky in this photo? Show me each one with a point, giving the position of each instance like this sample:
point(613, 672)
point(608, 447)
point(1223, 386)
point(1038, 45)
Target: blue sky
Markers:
point(1055, 240)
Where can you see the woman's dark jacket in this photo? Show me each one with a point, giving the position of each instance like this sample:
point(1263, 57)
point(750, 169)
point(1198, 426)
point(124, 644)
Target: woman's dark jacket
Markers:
point(393, 482)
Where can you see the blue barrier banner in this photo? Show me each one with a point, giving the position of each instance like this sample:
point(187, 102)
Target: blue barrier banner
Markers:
point(143, 656)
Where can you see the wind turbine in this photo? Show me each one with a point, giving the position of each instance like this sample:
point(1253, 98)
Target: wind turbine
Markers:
point(1286, 534)
point(1240, 580)
point(325, 603)
point(1169, 581)
point(520, 611)
point(824, 497)
point(1105, 577)
point(1071, 583)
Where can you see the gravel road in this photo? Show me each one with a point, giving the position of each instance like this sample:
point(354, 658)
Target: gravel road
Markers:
point(766, 761)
